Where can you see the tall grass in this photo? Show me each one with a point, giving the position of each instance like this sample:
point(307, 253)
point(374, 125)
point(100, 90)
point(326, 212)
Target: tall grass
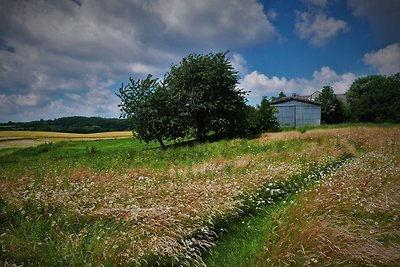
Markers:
point(351, 218)
point(102, 202)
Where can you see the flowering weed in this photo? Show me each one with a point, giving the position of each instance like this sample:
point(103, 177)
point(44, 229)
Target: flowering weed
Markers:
point(153, 207)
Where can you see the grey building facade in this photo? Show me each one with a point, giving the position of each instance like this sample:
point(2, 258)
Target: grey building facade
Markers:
point(294, 111)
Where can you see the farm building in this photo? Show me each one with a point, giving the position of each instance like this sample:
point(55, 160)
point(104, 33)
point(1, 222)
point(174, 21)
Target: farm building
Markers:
point(296, 111)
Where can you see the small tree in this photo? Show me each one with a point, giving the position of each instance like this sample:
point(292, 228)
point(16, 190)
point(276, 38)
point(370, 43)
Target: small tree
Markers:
point(332, 110)
point(261, 118)
point(267, 119)
point(151, 109)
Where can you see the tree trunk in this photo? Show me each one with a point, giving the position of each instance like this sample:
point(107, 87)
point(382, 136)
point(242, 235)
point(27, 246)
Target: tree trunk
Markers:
point(159, 139)
point(201, 135)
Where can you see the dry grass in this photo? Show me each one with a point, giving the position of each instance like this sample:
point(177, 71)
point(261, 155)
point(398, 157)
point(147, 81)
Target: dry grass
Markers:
point(20, 139)
point(351, 218)
point(160, 212)
point(18, 135)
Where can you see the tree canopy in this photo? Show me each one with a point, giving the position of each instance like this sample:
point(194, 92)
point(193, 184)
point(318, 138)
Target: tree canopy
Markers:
point(152, 110)
point(75, 124)
point(206, 89)
point(199, 95)
point(375, 99)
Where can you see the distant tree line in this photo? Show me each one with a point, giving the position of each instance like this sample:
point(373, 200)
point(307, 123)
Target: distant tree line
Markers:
point(373, 98)
point(75, 124)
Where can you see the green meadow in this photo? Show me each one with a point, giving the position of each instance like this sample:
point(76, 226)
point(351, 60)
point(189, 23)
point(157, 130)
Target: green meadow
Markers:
point(310, 197)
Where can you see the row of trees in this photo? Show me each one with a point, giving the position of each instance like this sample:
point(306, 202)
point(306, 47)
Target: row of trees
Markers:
point(375, 99)
point(370, 99)
point(74, 124)
point(197, 97)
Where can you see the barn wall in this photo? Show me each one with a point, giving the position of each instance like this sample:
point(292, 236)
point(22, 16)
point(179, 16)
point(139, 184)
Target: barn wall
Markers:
point(297, 113)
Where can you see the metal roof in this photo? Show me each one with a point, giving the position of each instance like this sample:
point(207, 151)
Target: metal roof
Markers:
point(297, 98)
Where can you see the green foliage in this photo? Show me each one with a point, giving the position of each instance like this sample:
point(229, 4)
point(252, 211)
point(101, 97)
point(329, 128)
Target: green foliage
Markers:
point(152, 110)
point(375, 99)
point(332, 110)
point(197, 96)
point(242, 238)
point(75, 124)
point(261, 118)
point(205, 86)
point(281, 95)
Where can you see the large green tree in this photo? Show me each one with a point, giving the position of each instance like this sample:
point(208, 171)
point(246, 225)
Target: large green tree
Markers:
point(152, 110)
point(205, 86)
point(332, 110)
point(375, 99)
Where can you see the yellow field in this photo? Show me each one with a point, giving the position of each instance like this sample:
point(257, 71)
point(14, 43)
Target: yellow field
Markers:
point(32, 138)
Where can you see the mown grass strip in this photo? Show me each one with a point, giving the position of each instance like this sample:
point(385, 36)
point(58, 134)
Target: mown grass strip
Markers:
point(241, 238)
point(244, 239)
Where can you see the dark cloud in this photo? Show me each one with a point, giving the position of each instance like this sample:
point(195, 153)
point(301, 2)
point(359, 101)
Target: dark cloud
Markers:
point(76, 47)
point(79, 3)
point(383, 15)
point(5, 47)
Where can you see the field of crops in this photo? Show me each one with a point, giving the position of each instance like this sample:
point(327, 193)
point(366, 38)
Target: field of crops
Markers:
point(323, 197)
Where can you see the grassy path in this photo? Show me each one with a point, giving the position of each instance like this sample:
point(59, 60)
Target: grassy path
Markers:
point(243, 239)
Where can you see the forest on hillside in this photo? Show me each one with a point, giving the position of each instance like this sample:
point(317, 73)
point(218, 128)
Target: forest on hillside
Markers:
point(75, 124)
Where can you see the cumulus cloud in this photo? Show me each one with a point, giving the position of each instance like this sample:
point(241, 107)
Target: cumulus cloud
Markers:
point(383, 16)
point(385, 60)
point(59, 50)
point(260, 84)
point(239, 63)
point(317, 27)
point(210, 20)
point(34, 106)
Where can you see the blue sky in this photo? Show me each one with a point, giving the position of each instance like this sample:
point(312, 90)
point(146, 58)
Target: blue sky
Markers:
point(63, 58)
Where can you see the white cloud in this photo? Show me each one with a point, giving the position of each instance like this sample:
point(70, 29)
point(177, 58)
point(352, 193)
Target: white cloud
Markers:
point(209, 20)
point(71, 54)
point(74, 97)
point(96, 102)
point(383, 16)
point(317, 27)
point(385, 60)
point(271, 14)
point(16, 101)
point(13, 104)
point(261, 85)
point(28, 100)
point(143, 68)
point(239, 63)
